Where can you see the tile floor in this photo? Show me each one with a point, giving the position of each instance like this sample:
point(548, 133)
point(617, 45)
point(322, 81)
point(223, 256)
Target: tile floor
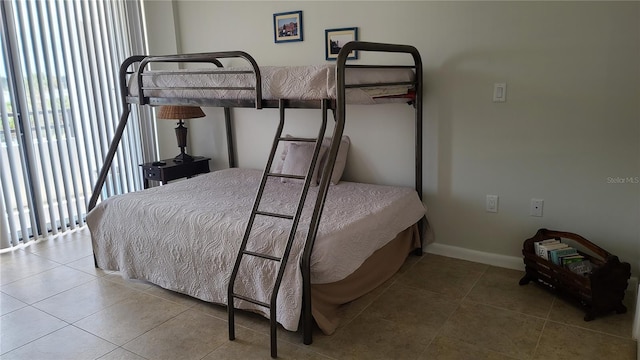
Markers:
point(56, 305)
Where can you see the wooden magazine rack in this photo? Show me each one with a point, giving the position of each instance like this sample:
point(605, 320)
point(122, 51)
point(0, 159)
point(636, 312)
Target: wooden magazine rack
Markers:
point(599, 292)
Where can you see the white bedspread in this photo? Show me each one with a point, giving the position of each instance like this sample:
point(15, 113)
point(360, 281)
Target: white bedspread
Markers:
point(184, 236)
point(278, 82)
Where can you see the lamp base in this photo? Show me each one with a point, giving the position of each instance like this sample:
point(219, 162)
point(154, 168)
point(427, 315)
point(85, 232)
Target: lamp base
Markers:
point(183, 158)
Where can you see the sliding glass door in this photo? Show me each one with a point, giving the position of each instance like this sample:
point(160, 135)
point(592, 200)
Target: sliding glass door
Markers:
point(60, 105)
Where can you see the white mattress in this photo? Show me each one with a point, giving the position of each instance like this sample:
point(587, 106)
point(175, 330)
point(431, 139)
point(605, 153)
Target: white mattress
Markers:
point(184, 236)
point(278, 82)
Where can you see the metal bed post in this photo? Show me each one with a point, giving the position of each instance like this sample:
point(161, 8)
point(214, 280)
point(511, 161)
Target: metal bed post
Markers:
point(119, 130)
point(231, 152)
point(339, 114)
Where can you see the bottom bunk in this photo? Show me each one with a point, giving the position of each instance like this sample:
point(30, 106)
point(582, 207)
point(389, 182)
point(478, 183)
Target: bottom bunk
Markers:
point(184, 236)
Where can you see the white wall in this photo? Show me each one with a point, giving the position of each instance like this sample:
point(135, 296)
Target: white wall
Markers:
point(160, 16)
point(571, 121)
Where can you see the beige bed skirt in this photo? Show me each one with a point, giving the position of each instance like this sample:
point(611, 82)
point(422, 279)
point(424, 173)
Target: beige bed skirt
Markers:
point(326, 299)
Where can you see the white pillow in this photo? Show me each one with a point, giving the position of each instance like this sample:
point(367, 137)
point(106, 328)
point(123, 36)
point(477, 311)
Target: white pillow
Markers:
point(283, 155)
point(341, 158)
point(297, 161)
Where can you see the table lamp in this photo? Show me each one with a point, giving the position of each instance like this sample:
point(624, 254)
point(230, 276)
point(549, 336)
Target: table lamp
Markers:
point(180, 112)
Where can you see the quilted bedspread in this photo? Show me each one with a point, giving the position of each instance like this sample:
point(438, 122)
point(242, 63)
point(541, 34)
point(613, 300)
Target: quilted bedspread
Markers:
point(310, 82)
point(184, 236)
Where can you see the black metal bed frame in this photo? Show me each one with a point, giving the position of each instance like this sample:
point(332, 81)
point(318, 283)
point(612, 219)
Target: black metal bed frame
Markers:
point(337, 105)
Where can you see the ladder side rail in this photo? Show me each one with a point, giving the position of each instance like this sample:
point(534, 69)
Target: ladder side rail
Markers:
point(294, 226)
point(325, 179)
point(245, 237)
point(339, 117)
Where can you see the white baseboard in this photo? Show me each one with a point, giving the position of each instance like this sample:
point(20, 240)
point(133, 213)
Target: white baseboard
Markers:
point(509, 262)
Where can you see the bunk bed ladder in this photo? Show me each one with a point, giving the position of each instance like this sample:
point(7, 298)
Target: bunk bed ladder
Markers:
point(295, 218)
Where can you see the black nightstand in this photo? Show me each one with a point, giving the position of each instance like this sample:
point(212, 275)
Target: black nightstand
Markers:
point(174, 170)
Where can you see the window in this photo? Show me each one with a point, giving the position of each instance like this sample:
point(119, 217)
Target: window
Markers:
point(60, 106)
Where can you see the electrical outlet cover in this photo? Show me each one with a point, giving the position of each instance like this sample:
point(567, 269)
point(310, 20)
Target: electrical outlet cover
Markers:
point(536, 207)
point(491, 204)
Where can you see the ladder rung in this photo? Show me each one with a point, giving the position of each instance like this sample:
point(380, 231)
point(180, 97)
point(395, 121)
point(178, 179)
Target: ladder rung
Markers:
point(241, 297)
point(264, 256)
point(282, 216)
point(297, 139)
point(288, 176)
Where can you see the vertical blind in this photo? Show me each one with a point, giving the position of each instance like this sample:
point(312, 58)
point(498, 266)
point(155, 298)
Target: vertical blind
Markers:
point(60, 105)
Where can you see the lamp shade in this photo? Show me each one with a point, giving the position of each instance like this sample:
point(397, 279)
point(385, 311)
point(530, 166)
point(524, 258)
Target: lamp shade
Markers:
point(180, 112)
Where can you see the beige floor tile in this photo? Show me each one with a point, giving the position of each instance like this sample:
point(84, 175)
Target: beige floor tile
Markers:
point(251, 345)
point(349, 311)
point(562, 342)
point(9, 304)
point(250, 320)
point(190, 335)
point(18, 265)
point(24, 325)
point(46, 284)
point(444, 348)
point(84, 300)
point(62, 249)
point(130, 318)
point(121, 354)
point(86, 264)
point(176, 297)
point(500, 330)
point(568, 312)
point(215, 310)
point(262, 325)
point(433, 308)
point(499, 287)
point(368, 337)
point(140, 285)
point(68, 343)
point(423, 312)
point(443, 275)
point(410, 262)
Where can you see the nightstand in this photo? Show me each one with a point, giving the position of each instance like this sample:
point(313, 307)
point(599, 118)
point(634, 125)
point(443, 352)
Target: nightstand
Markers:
point(174, 170)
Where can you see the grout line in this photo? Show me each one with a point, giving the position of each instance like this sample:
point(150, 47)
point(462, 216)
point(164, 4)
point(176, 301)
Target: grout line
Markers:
point(535, 349)
point(36, 339)
point(592, 330)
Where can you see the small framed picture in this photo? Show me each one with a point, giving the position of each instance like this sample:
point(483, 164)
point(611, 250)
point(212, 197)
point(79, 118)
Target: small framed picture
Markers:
point(287, 26)
point(335, 39)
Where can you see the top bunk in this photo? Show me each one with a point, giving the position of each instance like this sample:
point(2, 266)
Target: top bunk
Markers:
point(211, 84)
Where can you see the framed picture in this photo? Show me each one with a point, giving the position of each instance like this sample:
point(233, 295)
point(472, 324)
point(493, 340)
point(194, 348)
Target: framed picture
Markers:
point(335, 39)
point(287, 26)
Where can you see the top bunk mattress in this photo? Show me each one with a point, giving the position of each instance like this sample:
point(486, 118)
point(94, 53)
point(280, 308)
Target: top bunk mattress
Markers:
point(313, 82)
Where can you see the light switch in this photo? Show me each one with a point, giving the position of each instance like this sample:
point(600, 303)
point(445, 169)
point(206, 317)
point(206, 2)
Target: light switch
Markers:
point(499, 92)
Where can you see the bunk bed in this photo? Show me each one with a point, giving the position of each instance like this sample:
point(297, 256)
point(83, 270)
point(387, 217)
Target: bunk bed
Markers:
point(184, 248)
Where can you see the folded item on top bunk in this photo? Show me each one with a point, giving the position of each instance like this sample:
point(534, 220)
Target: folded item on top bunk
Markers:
point(278, 82)
point(184, 236)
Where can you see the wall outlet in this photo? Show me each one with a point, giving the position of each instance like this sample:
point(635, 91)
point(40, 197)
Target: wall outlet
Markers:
point(536, 207)
point(491, 203)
